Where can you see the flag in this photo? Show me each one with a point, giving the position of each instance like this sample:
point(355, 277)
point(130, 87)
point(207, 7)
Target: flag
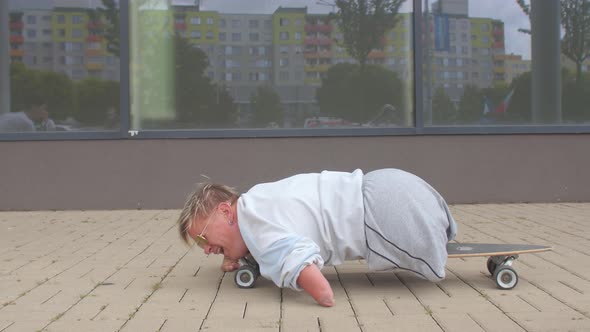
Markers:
point(486, 105)
point(503, 107)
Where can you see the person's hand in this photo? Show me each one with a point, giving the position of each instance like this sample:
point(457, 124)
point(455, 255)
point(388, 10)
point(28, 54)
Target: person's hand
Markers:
point(229, 264)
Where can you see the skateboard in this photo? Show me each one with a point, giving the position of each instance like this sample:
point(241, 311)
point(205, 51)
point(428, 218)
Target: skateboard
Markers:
point(500, 258)
point(499, 263)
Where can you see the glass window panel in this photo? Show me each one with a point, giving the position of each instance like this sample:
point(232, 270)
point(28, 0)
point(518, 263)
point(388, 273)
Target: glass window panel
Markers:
point(63, 67)
point(285, 72)
point(499, 54)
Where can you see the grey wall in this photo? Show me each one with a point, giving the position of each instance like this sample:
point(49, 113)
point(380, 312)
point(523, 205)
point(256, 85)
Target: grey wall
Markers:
point(122, 174)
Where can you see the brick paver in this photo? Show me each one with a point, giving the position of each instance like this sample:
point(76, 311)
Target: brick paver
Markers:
point(128, 271)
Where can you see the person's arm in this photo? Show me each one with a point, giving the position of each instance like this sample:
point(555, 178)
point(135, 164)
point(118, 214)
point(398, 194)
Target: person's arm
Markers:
point(316, 285)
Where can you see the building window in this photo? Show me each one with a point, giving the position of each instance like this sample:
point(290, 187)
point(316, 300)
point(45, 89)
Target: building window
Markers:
point(235, 24)
point(31, 19)
point(236, 36)
point(77, 19)
point(253, 24)
point(210, 21)
point(253, 36)
point(195, 20)
point(222, 36)
point(284, 22)
point(77, 33)
point(61, 19)
point(31, 33)
point(283, 76)
point(222, 23)
point(209, 34)
point(196, 34)
point(283, 35)
point(297, 35)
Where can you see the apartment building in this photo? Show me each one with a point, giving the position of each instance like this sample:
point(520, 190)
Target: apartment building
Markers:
point(62, 39)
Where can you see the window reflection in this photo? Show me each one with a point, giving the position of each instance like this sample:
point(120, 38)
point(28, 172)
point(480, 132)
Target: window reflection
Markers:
point(479, 61)
point(64, 66)
point(230, 65)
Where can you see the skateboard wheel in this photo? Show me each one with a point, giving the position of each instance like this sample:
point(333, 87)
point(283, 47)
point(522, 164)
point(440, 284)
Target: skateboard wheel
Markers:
point(245, 276)
point(491, 266)
point(505, 277)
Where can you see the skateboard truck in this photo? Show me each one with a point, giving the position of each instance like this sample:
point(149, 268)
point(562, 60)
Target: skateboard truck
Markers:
point(500, 267)
point(247, 273)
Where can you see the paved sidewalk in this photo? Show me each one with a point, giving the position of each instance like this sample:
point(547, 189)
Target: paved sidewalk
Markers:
point(128, 271)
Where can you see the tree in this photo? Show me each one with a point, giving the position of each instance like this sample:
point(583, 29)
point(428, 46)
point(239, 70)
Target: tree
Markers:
point(358, 95)
point(198, 100)
point(363, 24)
point(443, 109)
point(267, 108)
point(112, 26)
point(95, 97)
point(520, 109)
point(30, 87)
point(471, 105)
point(575, 21)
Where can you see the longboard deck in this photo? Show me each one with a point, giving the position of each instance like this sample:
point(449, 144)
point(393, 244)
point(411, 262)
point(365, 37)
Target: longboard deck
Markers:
point(458, 250)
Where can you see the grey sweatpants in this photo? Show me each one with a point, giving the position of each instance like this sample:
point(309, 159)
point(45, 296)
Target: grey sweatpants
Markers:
point(407, 224)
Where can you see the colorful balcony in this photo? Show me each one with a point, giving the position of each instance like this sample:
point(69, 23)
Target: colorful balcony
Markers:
point(17, 39)
point(318, 41)
point(93, 38)
point(498, 45)
point(94, 66)
point(97, 25)
point(315, 55)
point(316, 68)
point(16, 25)
point(180, 26)
point(17, 53)
point(94, 52)
point(325, 28)
point(498, 32)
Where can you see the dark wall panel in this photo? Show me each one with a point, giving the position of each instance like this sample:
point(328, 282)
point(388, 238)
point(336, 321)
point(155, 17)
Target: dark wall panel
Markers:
point(123, 174)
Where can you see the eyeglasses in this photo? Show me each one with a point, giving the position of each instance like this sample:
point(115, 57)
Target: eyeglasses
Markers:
point(201, 240)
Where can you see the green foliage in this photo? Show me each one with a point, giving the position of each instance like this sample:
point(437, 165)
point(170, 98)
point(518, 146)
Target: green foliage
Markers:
point(266, 105)
point(357, 95)
point(520, 108)
point(443, 109)
point(199, 101)
point(112, 25)
point(363, 24)
point(575, 21)
point(34, 87)
point(470, 106)
point(575, 44)
point(95, 98)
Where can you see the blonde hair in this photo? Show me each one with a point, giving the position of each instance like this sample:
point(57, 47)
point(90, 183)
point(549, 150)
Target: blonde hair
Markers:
point(201, 202)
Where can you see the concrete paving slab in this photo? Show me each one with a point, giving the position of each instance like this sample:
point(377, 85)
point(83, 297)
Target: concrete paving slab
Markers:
point(128, 271)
